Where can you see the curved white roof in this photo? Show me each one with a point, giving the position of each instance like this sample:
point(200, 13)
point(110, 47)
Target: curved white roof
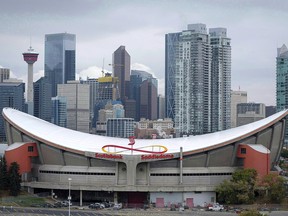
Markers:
point(82, 142)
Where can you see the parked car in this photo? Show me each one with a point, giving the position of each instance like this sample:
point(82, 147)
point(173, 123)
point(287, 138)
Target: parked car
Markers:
point(117, 206)
point(96, 206)
point(216, 207)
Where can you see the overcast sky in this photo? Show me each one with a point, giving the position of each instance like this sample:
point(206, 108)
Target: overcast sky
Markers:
point(256, 29)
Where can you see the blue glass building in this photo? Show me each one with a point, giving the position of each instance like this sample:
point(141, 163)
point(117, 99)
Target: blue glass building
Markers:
point(59, 59)
point(12, 95)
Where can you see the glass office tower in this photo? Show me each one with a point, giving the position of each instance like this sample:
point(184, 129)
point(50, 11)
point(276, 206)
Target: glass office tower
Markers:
point(282, 81)
point(59, 59)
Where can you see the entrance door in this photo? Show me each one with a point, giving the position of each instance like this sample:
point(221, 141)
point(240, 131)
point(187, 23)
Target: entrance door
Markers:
point(159, 202)
point(189, 202)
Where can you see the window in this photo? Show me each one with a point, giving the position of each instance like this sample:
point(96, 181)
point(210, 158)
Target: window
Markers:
point(30, 148)
point(243, 150)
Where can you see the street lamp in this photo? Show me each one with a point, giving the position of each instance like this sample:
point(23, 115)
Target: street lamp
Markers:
point(69, 196)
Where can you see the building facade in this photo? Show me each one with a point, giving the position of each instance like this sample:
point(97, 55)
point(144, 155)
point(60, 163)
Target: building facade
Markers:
point(77, 96)
point(42, 99)
point(4, 74)
point(236, 98)
point(60, 54)
point(282, 81)
point(250, 112)
point(59, 111)
point(197, 79)
point(12, 95)
point(120, 127)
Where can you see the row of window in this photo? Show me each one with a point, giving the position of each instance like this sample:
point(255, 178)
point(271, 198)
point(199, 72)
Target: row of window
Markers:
point(152, 174)
point(76, 173)
point(190, 174)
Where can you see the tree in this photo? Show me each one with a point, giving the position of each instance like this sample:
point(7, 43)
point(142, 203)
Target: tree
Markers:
point(4, 178)
point(240, 189)
point(15, 179)
point(274, 187)
point(284, 153)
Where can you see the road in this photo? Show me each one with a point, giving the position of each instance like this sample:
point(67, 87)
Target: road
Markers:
point(8, 211)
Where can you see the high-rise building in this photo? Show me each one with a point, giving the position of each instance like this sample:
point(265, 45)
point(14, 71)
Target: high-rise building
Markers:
point(237, 97)
point(220, 79)
point(121, 69)
point(94, 85)
point(4, 74)
point(60, 54)
point(77, 96)
point(30, 58)
point(12, 95)
point(161, 107)
point(143, 89)
point(148, 100)
point(250, 112)
point(42, 99)
point(59, 111)
point(282, 81)
point(191, 75)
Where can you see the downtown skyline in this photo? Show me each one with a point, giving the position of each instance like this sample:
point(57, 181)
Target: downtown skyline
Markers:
point(255, 29)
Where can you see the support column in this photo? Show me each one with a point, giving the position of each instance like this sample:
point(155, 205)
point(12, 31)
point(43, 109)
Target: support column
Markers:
point(115, 197)
point(181, 165)
point(80, 197)
point(52, 193)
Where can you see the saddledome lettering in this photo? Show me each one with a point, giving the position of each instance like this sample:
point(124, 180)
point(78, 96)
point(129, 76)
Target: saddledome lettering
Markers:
point(157, 156)
point(109, 156)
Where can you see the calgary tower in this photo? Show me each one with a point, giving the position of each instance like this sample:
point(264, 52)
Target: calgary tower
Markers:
point(30, 58)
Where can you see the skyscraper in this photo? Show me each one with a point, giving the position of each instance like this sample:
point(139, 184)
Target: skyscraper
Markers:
point(197, 79)
point(121, 69)
point(220, 79)
point(59, 59)
point(12, 95)
point(144, 91)
point(42, 99)
point(78, 113)
point(282, 81)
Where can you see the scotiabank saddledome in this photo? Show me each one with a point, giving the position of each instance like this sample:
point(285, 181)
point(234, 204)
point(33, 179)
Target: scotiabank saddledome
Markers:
point(159, 171)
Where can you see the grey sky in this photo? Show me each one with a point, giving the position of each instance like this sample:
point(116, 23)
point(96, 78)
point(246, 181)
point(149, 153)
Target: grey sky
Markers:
point(256, 28)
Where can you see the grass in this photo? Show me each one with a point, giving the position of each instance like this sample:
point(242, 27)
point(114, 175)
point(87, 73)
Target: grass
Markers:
point(23, 200)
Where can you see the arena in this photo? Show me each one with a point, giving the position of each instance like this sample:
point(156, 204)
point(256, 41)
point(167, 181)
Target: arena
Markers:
point(136, 172)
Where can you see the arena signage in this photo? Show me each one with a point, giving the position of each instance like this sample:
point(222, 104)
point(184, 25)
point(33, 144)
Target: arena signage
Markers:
point(157, 157)
point(109, 156)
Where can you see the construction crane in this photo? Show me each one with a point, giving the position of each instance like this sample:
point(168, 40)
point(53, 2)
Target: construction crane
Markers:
point(103, 73)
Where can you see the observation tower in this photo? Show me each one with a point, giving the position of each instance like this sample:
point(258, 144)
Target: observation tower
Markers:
point(30, 57)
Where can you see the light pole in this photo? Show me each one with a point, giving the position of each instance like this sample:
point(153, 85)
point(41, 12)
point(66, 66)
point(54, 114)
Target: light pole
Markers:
point(69, 196)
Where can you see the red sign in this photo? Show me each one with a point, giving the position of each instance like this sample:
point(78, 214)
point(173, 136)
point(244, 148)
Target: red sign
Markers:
point(109, 156)
point(157, 156)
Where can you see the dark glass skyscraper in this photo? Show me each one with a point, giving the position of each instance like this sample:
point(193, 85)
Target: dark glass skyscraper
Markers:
point(42, 99)
point(121, 69)
point(59, 59)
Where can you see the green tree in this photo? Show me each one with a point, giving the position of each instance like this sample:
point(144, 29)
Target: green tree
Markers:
point(240, 189)
point(274, 186)
point(284, 153)
point(4, 178)
point(15, 179)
